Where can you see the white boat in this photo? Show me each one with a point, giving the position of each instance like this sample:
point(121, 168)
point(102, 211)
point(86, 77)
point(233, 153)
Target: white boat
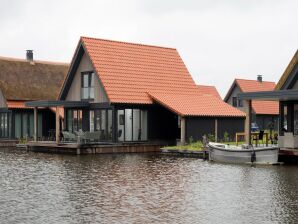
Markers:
point(232, 154)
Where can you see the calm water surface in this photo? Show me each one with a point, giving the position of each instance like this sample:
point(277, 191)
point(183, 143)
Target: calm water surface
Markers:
point(142, 188)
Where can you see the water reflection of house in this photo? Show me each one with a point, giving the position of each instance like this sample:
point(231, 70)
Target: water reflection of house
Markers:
point(286, 93)
point(22, 81)
point(264, 113)
point(138, 93)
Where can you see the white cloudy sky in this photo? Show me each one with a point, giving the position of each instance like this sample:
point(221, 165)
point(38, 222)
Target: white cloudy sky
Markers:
point(217, 39)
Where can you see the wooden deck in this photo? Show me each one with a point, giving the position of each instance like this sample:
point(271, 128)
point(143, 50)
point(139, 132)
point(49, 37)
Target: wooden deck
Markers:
point(8, 143)
point(92, 148)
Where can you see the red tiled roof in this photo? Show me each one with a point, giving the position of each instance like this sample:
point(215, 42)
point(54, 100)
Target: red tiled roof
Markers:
point(265, 107)
point(16, 104)
point(254, 85)
point(259, 107)
point(130, 71)
point(195, 104)
point(208, 90)
point(11, 104)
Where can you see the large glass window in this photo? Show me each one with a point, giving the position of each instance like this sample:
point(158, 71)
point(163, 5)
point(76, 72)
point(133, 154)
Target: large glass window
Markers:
point(134, 124)
point(87, 85)
point(144, 129)
point(101, 122)
point(110, 124)
point(234, 101)
point(91, 120)
point(74, 120)
point(128, 124)
point(120, 128)
point(24, 125)
point(18, 126)
point(5, 125)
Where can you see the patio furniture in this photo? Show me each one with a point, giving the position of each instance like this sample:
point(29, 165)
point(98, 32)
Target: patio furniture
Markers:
point(258, 137)
point(93, 136)
point(253, 134)
point(68, 136)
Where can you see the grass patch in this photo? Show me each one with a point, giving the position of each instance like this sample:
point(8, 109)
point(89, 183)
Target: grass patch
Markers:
point(195, 146)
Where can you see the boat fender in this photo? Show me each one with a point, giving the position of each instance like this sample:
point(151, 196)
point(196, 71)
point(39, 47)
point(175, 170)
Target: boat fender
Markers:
point(253, 156)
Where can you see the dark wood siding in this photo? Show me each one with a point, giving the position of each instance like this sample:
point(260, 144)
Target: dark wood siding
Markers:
point(162, 124)
point(196, 127)
point(231, 126)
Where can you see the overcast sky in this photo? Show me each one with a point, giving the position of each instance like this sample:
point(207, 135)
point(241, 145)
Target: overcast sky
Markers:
point(218, 40)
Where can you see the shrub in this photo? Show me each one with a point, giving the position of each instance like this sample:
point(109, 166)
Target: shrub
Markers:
point(226, 136)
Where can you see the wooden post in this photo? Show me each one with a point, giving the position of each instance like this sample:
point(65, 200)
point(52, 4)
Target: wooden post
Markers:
point(57, 126)
point(247, 107)
point(216, 130)
point(182, 131)
point(35, 137)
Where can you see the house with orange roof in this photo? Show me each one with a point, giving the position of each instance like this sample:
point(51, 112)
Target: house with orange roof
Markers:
point(23, 80)
point(264, 113)
point(285, 94)
point(130, 93)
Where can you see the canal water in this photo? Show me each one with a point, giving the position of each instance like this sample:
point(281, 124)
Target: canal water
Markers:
point(142, 188)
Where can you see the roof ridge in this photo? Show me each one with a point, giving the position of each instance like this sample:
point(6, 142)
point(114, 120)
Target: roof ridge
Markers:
point(34, 61)
point(206, 85)
point(253, 80)
point(130, 43)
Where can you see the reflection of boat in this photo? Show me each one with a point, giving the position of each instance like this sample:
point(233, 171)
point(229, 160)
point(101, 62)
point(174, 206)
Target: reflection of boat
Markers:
point(232, 154)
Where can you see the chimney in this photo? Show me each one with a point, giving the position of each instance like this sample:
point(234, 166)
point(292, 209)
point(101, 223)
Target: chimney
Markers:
point(29, 55)
point(259, 78)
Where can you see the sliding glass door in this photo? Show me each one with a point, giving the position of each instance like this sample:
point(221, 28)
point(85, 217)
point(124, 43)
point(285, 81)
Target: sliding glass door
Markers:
point(100, 120)
point(5, 125)
point(132, 125)
point(74, 120)
point(24, 125)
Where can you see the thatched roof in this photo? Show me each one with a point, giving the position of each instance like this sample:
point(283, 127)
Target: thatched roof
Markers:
point(24, 80)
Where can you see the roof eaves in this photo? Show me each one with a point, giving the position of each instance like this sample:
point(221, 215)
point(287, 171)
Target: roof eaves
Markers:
point(287, 71)
point(230, 91)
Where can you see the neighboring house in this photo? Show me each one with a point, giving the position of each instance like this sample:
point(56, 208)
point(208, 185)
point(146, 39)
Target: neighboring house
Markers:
point(27, 80)
point(138, 93)
point(209, 90)
point(286, 94)
point(264, 113)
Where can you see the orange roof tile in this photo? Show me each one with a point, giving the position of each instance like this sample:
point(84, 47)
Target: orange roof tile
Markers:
point(254, 85)
point(208, 90)
point(265, 107)
point(142, 74)
point(259, 107)
point(11, 104)
point(129, 70)
point(195, 104)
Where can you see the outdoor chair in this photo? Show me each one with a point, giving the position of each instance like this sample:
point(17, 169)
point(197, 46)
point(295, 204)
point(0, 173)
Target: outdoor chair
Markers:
point(68, 136)
point(258, 137)
point(93, 136)
point(81, 136)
